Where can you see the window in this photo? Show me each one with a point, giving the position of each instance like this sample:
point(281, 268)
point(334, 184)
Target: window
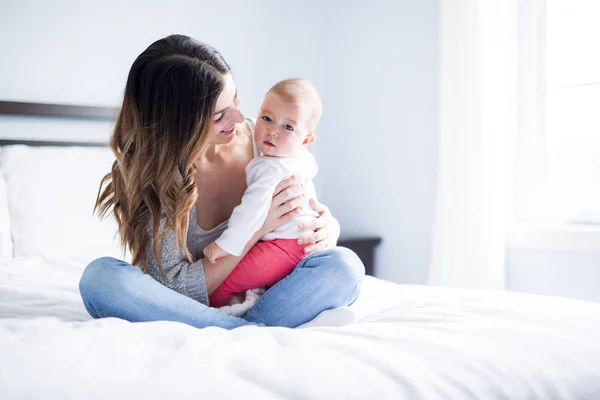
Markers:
point(560, 111)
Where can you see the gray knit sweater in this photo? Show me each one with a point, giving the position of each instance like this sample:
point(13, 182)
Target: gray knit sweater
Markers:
point(182, 276)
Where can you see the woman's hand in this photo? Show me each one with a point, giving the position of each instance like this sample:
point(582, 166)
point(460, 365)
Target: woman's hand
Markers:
point(285, 206)
point(326, 229)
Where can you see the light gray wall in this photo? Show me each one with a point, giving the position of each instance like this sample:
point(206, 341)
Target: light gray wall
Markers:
point(375, 64)
point(77, 52)
point(80, 52)
point(379, 134)
point(572, 274)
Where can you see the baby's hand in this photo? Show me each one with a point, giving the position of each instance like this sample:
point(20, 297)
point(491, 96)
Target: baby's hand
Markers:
point(214, 252)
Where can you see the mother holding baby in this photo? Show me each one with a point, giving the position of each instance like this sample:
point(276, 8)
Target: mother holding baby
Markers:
point(181, 148)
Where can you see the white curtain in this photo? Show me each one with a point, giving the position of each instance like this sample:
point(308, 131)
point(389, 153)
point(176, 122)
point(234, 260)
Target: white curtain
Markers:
point(478, 127)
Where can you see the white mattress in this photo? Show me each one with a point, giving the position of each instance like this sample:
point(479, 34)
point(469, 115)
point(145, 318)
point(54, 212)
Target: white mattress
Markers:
point(396, 342)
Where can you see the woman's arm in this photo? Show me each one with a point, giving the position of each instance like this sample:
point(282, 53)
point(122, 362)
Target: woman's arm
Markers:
point(217, 273)
point(174, 269)
point(197, 279)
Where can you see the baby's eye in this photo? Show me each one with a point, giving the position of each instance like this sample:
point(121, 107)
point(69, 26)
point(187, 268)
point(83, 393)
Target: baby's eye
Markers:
point(266, 119)
point(288, 127)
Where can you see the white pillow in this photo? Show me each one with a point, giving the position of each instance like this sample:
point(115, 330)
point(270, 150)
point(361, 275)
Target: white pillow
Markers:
point(51, 196)
point(6, 247)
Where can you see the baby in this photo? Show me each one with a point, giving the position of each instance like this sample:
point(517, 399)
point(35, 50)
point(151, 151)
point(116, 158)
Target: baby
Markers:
point(285, 126)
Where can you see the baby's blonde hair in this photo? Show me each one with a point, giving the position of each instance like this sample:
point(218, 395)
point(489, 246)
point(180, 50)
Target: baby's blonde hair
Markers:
point(297, 90)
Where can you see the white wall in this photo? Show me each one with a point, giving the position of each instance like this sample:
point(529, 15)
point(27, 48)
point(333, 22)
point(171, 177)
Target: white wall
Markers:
point(75, 52)
point(80, 52)
point(376, 66)
point(573, 274)
point(379, 134)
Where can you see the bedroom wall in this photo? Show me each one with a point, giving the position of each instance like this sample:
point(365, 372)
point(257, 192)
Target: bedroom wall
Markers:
point(80, 52)
point(375, 66)
point(574, 274)
point(379, 134)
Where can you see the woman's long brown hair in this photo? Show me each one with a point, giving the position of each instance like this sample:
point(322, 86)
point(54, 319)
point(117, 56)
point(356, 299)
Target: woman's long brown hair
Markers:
point(170, 95)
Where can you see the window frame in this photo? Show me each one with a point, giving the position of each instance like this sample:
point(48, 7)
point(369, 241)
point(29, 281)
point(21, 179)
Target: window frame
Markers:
point(536, 227)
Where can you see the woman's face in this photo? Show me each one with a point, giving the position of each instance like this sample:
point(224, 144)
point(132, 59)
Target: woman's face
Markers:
point(226, 114)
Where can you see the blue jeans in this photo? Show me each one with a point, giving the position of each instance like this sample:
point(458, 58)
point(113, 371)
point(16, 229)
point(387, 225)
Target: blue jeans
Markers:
point(323, 280)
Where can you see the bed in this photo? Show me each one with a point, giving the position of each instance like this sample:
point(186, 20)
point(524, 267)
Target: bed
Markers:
point(395, 342)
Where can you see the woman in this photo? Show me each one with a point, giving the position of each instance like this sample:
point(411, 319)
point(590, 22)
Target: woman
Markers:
point(181, 146)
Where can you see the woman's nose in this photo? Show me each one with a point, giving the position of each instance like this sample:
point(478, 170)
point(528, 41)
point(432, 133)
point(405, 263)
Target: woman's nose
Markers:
point(237, 116)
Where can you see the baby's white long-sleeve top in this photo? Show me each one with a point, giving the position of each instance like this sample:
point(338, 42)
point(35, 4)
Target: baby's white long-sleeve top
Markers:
point(263, 174)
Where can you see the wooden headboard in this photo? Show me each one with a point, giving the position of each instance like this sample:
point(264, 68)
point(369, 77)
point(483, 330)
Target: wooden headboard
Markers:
point(55, 111)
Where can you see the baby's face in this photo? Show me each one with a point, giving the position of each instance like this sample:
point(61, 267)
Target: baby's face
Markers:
point(281, 129)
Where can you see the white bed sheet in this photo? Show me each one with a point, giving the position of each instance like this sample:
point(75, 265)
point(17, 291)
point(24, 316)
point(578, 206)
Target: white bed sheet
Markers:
point(396, 342)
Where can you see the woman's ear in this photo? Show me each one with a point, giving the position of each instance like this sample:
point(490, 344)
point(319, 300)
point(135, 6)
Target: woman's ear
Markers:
point(311, 137)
